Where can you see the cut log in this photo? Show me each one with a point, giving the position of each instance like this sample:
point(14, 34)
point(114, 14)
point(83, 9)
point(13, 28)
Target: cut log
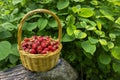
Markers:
point(63, 71)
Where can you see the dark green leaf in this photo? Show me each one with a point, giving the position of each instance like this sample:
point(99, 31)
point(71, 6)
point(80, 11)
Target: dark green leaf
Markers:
point(104, 59)
point(88, 47)
point(5, 48)
point(16, 1)
point(61, 4)
point(93, 40)
point(52, 23)
point(13, 59)
point(116, 67)
point(67, 38)
point(5, 34)
point(9, 26)
point(30, 26)
point(14, 50)
point(42, 23)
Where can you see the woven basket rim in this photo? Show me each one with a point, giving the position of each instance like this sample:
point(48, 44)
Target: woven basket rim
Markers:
point(22, 52)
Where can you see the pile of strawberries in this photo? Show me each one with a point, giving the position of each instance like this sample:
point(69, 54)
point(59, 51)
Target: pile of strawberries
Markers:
point(39, 44)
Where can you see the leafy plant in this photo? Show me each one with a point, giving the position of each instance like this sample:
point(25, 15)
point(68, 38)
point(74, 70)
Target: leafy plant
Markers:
point(91, 31)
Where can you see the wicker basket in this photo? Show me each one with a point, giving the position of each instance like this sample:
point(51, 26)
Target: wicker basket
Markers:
point(39, 62)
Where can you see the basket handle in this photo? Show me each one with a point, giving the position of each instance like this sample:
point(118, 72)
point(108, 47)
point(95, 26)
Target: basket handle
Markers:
point(38, 11)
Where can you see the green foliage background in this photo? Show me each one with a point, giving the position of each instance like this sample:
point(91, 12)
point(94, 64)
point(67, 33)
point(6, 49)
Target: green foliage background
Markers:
point(91, 33)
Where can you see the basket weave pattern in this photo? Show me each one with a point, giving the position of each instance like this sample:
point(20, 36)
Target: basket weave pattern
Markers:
point(39, 62)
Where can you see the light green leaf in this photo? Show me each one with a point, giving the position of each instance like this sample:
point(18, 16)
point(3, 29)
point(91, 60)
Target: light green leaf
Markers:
point(42, 23)
point(94, 2)
point(23, 2)
point(75, 9)
point(100, 33)
point(5, 48)
point(118, 21)
point(103, 41)
point(70, 20)
point(52, 23)
point(70, 30)
point(83, 24)
point(61, 4)
point(116, 67)
point(116, 52)
point(86, 12)
point(67, 38)
point(16, 1)
point(99, 25)
point(82, 35)
point(89, 28)
point(112, 35)
point(107, 14)
point(110, 45)
point(93, 40)
point(104, 59)
point(88, 47)
point(9, 26)
point(79, 34)
point(76, 32)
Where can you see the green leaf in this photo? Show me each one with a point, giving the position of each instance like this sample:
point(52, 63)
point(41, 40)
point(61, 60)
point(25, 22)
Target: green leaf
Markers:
point(99, 25)
point(14, 50)
point(112, 35)
point(88, 47)
point(100, 33)
point(83, 24)
point(13, 59)
point(86, 12)
point(107, 14)
point(70, 30)
point(70, 20)
point(67, 38)
point(5, 48)
point(118, 21)
point(23, 2)
point(42, 23)
point(116, 52)
point(104, 59)
point(52, 23)
point(16, 1)
point(5, 34)
point(30, 26)
point(93, 40)
point(103, 41)
point(116, 67)
point(110, 45)
point(75, 9)
point(82, 35)
point(61, 4)
point(89, 28)
point(9, 26)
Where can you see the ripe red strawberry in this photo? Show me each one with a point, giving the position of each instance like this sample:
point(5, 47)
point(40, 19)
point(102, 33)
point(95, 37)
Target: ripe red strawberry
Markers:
point(39, 44)
point(32, 51)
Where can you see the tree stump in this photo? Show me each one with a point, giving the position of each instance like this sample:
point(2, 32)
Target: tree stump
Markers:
point(63, 71)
